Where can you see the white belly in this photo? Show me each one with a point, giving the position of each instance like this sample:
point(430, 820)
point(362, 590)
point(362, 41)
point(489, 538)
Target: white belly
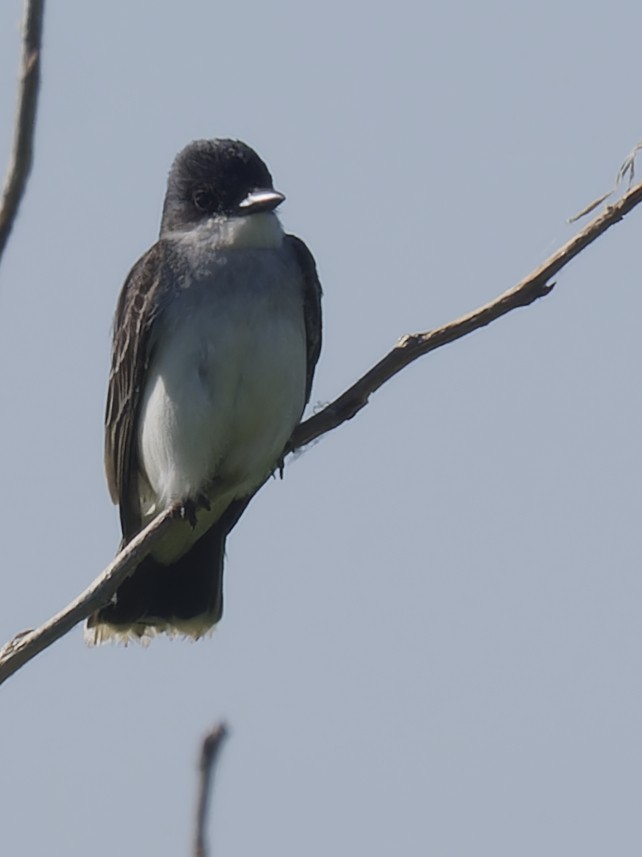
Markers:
point(226, 385)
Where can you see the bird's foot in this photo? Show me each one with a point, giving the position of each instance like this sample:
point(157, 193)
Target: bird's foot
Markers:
point(187, 510)
point(203, 502)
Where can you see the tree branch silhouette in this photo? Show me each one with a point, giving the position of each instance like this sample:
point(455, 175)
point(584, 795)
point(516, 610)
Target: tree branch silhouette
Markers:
point(25, 125)
point(28, 644)
point(210, 750)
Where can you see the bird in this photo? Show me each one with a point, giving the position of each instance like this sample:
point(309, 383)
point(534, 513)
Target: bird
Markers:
point(216, 337)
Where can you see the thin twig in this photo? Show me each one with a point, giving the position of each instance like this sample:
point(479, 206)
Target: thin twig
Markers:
point(24, 647)
point(209, 756)
point(626, 171)
point(22, 152)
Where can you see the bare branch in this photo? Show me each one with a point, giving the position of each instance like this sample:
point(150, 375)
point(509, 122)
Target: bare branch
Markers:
point(209, 756)
point(28, 644)
point(22, 152)
point(626, 171)
point(414, 345)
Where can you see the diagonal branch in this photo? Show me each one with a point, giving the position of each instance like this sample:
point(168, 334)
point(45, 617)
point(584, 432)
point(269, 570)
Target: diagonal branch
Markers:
point(415, 345)
point(27, 645)
point(22, 152)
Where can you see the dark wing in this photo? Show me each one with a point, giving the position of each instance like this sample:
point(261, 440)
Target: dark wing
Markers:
point(135, 315)
point(311, 305)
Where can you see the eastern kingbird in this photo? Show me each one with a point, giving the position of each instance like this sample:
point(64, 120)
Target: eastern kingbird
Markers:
point(216, 337)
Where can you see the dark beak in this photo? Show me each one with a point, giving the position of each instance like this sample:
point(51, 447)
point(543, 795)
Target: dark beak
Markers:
point(262, 199)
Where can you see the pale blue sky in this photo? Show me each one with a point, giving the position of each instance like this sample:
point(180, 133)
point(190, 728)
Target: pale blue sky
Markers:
point(432, 640)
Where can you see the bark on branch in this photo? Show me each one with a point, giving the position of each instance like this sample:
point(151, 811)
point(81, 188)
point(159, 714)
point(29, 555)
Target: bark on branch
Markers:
point(22, 151)
point(26, 645)
point(537, 284)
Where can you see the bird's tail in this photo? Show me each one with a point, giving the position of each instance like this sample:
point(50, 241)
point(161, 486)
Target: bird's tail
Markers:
point(184, 598)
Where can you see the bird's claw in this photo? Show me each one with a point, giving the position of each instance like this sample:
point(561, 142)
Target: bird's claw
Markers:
point(202, 502)
point(187, 512)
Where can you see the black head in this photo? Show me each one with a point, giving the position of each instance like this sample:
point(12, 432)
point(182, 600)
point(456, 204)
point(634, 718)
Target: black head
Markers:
point(216, 177)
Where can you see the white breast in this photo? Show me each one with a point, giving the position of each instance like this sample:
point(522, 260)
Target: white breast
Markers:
point(226, 385)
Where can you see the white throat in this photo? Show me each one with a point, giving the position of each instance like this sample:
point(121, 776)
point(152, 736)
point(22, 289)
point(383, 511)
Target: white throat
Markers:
point(252, 231)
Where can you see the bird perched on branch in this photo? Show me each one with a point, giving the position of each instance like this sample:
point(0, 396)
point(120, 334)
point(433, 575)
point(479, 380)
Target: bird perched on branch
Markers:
point(216, 337)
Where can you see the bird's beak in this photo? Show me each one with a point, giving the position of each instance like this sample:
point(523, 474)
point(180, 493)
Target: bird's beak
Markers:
point(260, 200)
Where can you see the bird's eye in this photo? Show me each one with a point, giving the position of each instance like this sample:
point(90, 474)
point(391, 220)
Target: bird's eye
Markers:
point(204, 200)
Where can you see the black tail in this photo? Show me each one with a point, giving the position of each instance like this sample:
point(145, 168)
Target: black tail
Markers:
point(185, 597)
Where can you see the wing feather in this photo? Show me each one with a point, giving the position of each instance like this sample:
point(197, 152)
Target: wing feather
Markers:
point(136, 312)
point(311, 306)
